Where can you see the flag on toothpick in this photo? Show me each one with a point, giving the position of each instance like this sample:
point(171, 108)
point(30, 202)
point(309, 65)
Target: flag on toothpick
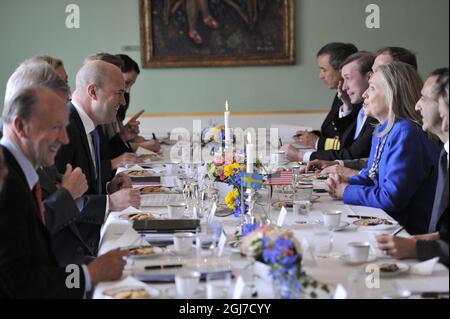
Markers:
point(280, 178)
point(254, 180)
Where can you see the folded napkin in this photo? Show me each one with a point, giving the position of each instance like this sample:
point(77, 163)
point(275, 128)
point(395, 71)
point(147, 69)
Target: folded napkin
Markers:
point(144, 151)
point(125, 282)
point(128, 239)
point(136, 168)
point(424, 268)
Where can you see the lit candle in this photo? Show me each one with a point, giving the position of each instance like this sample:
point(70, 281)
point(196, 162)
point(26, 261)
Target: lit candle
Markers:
point(250, 152)
point(227, 122)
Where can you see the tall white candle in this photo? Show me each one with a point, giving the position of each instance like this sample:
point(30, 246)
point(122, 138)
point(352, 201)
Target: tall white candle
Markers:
point(250, 152)
point(227, 122)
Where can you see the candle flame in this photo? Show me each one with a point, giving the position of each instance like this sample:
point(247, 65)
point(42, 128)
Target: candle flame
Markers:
point(226, 105)
point(249, 138)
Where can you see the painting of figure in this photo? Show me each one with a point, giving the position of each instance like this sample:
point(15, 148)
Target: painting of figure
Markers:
point(183, 33)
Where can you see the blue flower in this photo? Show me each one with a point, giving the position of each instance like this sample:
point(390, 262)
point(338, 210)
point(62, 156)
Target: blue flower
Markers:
point(247, 228)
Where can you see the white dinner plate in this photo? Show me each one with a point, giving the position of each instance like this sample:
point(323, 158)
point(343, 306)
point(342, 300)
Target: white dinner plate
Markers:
point(382, 224)
point(171, 249)
point(138, 216)
point(132, 292)
point(401, 269)
point(156, 252)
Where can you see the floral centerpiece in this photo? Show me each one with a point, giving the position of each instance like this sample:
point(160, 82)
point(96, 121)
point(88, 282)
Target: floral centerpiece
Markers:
point(281, 251)
point(213, 135)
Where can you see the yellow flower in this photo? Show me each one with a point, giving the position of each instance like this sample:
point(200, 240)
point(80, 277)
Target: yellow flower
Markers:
point(230, 200)
point(229, 169)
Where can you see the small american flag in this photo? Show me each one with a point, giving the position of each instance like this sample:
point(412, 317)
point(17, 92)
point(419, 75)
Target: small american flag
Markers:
point(280, 178)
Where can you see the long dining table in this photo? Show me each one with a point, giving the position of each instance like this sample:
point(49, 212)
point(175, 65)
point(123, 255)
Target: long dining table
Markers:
point(346, 279)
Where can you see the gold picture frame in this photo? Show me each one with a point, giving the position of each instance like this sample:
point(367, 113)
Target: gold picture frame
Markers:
point(228, 33)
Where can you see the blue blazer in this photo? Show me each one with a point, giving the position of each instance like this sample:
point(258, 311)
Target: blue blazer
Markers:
point(406, 178)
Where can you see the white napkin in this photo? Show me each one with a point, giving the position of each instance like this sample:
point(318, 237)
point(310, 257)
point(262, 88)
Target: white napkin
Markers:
point(130, 209)
point(126, 282)
point(129, 238)
point(144, 151)
point(135, 168)
point(424, 268)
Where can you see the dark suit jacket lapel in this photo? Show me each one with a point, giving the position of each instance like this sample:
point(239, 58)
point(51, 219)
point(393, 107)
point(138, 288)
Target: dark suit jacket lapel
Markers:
point(9, 158)
point(76, 120)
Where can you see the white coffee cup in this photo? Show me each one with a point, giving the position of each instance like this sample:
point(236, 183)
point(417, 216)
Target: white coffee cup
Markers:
point(182, 242)
point(171, 168)
point(186, 283)
point(176, 211)
point(358, 251)
point(331, 218)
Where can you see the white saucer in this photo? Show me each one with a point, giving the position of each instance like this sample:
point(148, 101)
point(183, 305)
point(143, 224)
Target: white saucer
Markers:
point(342, 226)
point(345, 258)
point(157, 251)
point(171, 249)
point(171, 292)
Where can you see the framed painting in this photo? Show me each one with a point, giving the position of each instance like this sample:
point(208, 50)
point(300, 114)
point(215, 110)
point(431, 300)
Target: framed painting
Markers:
point(193, 33)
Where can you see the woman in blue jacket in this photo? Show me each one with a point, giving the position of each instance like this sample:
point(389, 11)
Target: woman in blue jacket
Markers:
point(402, 169)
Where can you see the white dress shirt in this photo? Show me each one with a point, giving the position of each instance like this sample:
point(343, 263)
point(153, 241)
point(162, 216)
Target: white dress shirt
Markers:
point(89, 127)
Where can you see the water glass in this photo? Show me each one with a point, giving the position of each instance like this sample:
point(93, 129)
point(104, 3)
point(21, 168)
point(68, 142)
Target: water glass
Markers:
point(303, 192)
point(323, 242)
point(218, 285)
point(301, 209)
point(186, 283)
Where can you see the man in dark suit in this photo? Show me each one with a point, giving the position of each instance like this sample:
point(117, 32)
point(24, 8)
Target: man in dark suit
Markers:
point(329, 60)
point(356, 136)
point(95, 101)
point(73, 219)
point(34, 129)
point(435, 243)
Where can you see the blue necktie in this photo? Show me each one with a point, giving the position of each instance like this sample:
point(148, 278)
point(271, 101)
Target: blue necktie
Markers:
point(96, 141)
point(359, 122)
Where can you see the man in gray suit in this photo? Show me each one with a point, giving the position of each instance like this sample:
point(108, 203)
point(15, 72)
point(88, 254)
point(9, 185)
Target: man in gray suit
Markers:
point(435, 243)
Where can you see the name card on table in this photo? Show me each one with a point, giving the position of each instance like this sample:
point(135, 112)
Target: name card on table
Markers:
point(281, 217)
point(221, 244)
point(238, 288)
point(212, 213)
point(340, 292)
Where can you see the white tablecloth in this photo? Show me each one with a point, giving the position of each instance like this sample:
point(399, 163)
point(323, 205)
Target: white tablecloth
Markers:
point(331, 270)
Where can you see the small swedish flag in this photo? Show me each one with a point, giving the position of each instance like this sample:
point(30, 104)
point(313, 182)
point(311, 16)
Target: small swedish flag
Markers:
point(254, 181)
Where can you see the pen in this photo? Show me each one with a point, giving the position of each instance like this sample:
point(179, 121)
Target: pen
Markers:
point(154, 136)
point(397, 231)
point(279, 140)
point(163, 266)
point(361, 217)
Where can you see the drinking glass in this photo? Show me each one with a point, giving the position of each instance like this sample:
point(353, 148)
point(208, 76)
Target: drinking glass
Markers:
point(323, 242)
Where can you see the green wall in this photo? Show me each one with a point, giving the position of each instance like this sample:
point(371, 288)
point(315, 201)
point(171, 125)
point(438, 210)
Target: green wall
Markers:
point(29, 27)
